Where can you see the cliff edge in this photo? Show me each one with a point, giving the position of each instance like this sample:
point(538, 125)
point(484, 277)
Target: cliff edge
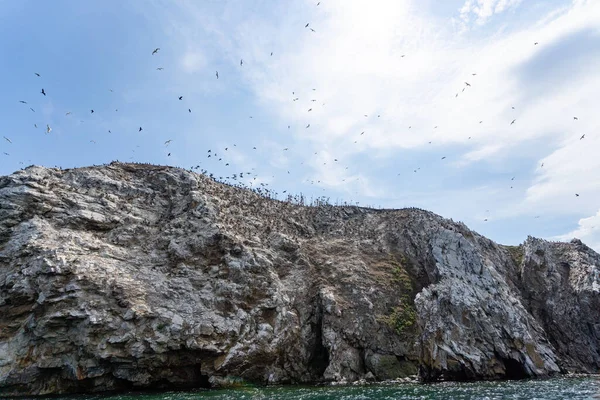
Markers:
point(131, 276)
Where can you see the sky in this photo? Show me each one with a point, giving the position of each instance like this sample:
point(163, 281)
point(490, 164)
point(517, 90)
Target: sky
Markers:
point(392, 104)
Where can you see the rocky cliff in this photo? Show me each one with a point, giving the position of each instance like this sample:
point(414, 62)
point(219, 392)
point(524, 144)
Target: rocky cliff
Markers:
point(136, 276)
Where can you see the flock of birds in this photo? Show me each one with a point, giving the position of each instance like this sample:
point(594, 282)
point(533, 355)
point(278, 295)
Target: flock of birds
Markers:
point(237, 179)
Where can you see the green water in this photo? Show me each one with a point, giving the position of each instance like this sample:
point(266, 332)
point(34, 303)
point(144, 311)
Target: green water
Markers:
point(552, 389)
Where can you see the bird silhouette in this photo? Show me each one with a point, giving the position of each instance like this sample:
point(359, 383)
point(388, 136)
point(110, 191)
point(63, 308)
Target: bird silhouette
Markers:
point(37, 74)
point(168, 141)
point(189, 110)
point(582, 136)
point(575, 118)
point(31, 109)
point(68, 113)
point(306, 26)
point(467, 83)
point(43, 92)
point(140, 129)
point(159, 68)
point(48, 129)
point(180, 97)
point(22, 101)
point(576, 194)
point(217, 73)
point(155, 50)
point(308, 126)
point(535, 44)
point(513, 121)
point(91, 111)
point(7, 139)
point(241, 62)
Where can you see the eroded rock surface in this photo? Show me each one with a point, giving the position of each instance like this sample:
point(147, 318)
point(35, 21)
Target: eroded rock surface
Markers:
point(134, 276)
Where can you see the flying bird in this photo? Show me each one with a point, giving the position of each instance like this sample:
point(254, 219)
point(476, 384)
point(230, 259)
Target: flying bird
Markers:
point(575, 118)
point(271, 53)
point(37, 74)
point(582, 136)
point(169, 155)
point(91, 111)
point(140, 129)
point(92, 141)
point(68, 113)
point(160, 68)
point(312, 30)
point(513, 121)
point(7, 139)
point(576, 194)
point(48, 129)
point(22, 101)
point(168, 141)
point(43, 92)
point(241, 62)
point(31, 109)
point(217, 73)
point(155, 50)
point(535, 44)
point(189, 110)
point(306, 26)
point(443, 158)
point(308, 126)
point(467, 83)
point(180, 97)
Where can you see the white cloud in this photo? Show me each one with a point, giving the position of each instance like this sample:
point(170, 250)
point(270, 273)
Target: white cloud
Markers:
point(484, 9)
point(587, 231)
point(193, 61)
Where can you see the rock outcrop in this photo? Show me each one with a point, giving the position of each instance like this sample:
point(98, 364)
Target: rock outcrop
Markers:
point(132, 276)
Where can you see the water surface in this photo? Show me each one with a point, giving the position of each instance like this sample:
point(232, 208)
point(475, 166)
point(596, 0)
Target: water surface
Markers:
point(552, 389)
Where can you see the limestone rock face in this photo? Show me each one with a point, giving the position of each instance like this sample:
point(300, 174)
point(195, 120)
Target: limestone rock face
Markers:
point(132, 276)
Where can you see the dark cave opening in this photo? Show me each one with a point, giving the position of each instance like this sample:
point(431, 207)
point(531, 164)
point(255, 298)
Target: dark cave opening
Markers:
point(319, 360)
point(514, 369)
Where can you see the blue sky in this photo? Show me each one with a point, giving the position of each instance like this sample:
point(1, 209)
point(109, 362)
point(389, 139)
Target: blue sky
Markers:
point(403, 64)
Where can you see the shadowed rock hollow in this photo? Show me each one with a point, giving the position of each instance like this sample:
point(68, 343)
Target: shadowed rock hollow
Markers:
point(132, 276)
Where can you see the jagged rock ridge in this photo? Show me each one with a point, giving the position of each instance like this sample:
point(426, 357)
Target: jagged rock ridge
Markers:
point(132, 276)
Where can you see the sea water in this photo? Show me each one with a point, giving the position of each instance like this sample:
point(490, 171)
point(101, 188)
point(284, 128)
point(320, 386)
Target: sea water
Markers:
point(566, 388)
